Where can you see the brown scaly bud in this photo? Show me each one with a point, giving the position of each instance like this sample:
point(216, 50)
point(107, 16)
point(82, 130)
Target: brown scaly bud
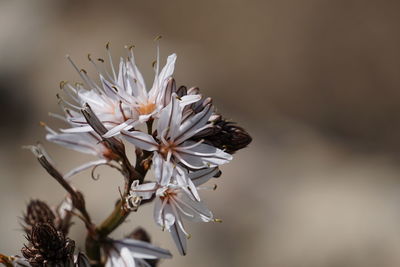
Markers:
point(225, 135)
point(48, 247)
point(37, 211)
point(141, 234)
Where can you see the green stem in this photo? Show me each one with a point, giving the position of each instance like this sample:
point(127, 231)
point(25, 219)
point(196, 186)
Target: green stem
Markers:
point(114, 220)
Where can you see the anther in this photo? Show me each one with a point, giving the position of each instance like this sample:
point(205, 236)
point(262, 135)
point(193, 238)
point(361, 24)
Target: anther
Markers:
point(108, 45)
point(217, 220)
point(62, 84)
point(101, 60)
point(89, 57)
point(157, 38)
point(129, 47)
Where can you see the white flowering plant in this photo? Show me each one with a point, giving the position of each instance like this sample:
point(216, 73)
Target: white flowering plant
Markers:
point(177, 135)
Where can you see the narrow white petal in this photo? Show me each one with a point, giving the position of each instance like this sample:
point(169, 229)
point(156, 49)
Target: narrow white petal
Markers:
point(145, 191)
point(189, 99)
point(82, 129)
point(189, 127)
point(143, 250)
point(162, 169)
point(75, 141)
point(83, 167)
point(127, 125)
point(201, 176)
point(126, 257)
point(161, 81)
point(170, 118)
point(141, 140)
point(199, 212)
point(158, 209)
point(179, 238)
point(204, 155)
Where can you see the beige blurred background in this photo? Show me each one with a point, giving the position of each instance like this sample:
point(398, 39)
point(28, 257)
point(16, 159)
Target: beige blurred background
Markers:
point(316, 83)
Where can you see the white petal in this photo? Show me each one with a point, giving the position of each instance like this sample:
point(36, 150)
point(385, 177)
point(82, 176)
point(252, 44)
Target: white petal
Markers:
point(179, 238)
point(203, 155)
point(141, 140)
point(163, 214)
point(192, 124)
point(143, 250)
point(199, 212)
point(189, 99)
point(162, 169)
point(158, 209)
point(183, 180)
point(83, 167)
point(126, 257)
point(127, 125)
point(170, 118)
point(77, 141)
point(161, 81)
point(201, 176)
point(113, 259)
point(81, 129)
point(145, 191)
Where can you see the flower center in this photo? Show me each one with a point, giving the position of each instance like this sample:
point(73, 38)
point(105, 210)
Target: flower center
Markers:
point(165, 149)
point(146, 108)
point(168, 194)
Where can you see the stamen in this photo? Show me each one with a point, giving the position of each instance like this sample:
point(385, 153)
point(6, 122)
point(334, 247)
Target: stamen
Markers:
point(78, 70)
point(181, 209)
point(111, 61)
point(193, 209)
point(62, 84)
point(66, 102)
point(100, 71)
point(57, 116)
point(44, 125)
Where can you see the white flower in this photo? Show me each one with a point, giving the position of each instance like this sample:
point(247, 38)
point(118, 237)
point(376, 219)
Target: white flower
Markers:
point(122, 100)
point(130, 253)
point(173, 138)
point(175, 201)
point(84, 142)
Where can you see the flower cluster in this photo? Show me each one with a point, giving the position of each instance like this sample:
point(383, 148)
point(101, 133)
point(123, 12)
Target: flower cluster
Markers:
point(177, 134)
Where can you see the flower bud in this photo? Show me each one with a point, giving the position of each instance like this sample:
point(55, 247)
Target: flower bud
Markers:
point(37, 211)
point(48, 247)
point(225, 135)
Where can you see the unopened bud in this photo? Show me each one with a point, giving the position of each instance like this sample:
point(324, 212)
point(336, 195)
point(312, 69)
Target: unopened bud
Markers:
point(225, 135)
point(37, 212)
point(48, 247)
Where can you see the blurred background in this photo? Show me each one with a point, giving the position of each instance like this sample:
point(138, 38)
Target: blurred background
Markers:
point(315, 82)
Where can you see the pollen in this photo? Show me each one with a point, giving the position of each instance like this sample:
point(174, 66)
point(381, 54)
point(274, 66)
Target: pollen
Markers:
point(147, 108)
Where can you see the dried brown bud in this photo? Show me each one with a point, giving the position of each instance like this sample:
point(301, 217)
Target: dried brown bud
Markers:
point(225, 135)
point(37, 212)
point(48, 247)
